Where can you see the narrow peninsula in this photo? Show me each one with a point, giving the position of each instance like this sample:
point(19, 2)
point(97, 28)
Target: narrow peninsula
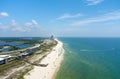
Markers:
point(53, 59)
point(39, 61)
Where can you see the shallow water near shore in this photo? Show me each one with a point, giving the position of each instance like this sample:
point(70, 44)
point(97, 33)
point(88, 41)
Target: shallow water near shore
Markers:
point(90, 58)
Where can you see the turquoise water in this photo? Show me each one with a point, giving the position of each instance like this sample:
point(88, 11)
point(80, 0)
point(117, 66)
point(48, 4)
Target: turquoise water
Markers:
point(90, 58)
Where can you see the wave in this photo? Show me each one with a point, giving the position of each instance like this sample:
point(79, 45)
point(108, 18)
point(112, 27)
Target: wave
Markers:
point(87, 50)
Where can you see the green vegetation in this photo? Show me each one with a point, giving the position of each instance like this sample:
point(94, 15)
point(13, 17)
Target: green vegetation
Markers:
point(43, 51)
point(21, 73)
point(1, 47)
point(12, 64)
point(45, 47)
point(14, 48)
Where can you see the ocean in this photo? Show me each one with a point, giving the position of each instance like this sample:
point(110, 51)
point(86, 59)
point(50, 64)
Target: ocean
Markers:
point(90, 58)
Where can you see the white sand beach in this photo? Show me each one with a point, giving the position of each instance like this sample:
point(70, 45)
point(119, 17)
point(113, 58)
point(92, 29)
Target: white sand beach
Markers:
point(53, 60)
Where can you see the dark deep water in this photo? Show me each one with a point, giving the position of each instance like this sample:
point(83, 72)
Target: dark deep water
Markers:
point(90, 58)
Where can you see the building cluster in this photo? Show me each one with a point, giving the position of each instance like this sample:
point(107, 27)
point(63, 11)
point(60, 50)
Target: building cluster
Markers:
point(6, 58)
point(23, 54)
point(30, 51)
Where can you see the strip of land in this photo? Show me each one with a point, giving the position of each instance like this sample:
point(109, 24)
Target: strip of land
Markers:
point(53, 61)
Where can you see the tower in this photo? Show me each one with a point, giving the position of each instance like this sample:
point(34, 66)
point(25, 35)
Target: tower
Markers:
point(52, 37)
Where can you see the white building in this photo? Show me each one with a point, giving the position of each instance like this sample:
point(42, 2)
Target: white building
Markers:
point(5, 58)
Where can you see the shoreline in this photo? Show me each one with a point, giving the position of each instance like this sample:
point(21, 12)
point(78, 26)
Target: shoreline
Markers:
point(58, 67)
point(53, 59)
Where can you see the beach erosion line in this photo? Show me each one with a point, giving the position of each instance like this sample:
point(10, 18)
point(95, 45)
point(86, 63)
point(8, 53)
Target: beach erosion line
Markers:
point(53, 59)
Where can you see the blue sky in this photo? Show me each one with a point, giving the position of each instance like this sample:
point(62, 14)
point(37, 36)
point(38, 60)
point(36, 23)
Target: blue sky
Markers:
point(64, 18)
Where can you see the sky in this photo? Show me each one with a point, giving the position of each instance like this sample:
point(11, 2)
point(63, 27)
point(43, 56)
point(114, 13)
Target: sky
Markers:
point(61, 18)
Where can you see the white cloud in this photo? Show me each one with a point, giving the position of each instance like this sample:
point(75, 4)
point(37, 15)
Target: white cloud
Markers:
point(4, 14)
point(27, 27)
point(105, 17)
point(93, 2)
point(14, 23)
point(16, 27)
point(34, 22)
point(3, 27)
point(67, 16)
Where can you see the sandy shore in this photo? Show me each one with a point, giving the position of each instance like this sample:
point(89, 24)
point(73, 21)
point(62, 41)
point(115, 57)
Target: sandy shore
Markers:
point(53, 60)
